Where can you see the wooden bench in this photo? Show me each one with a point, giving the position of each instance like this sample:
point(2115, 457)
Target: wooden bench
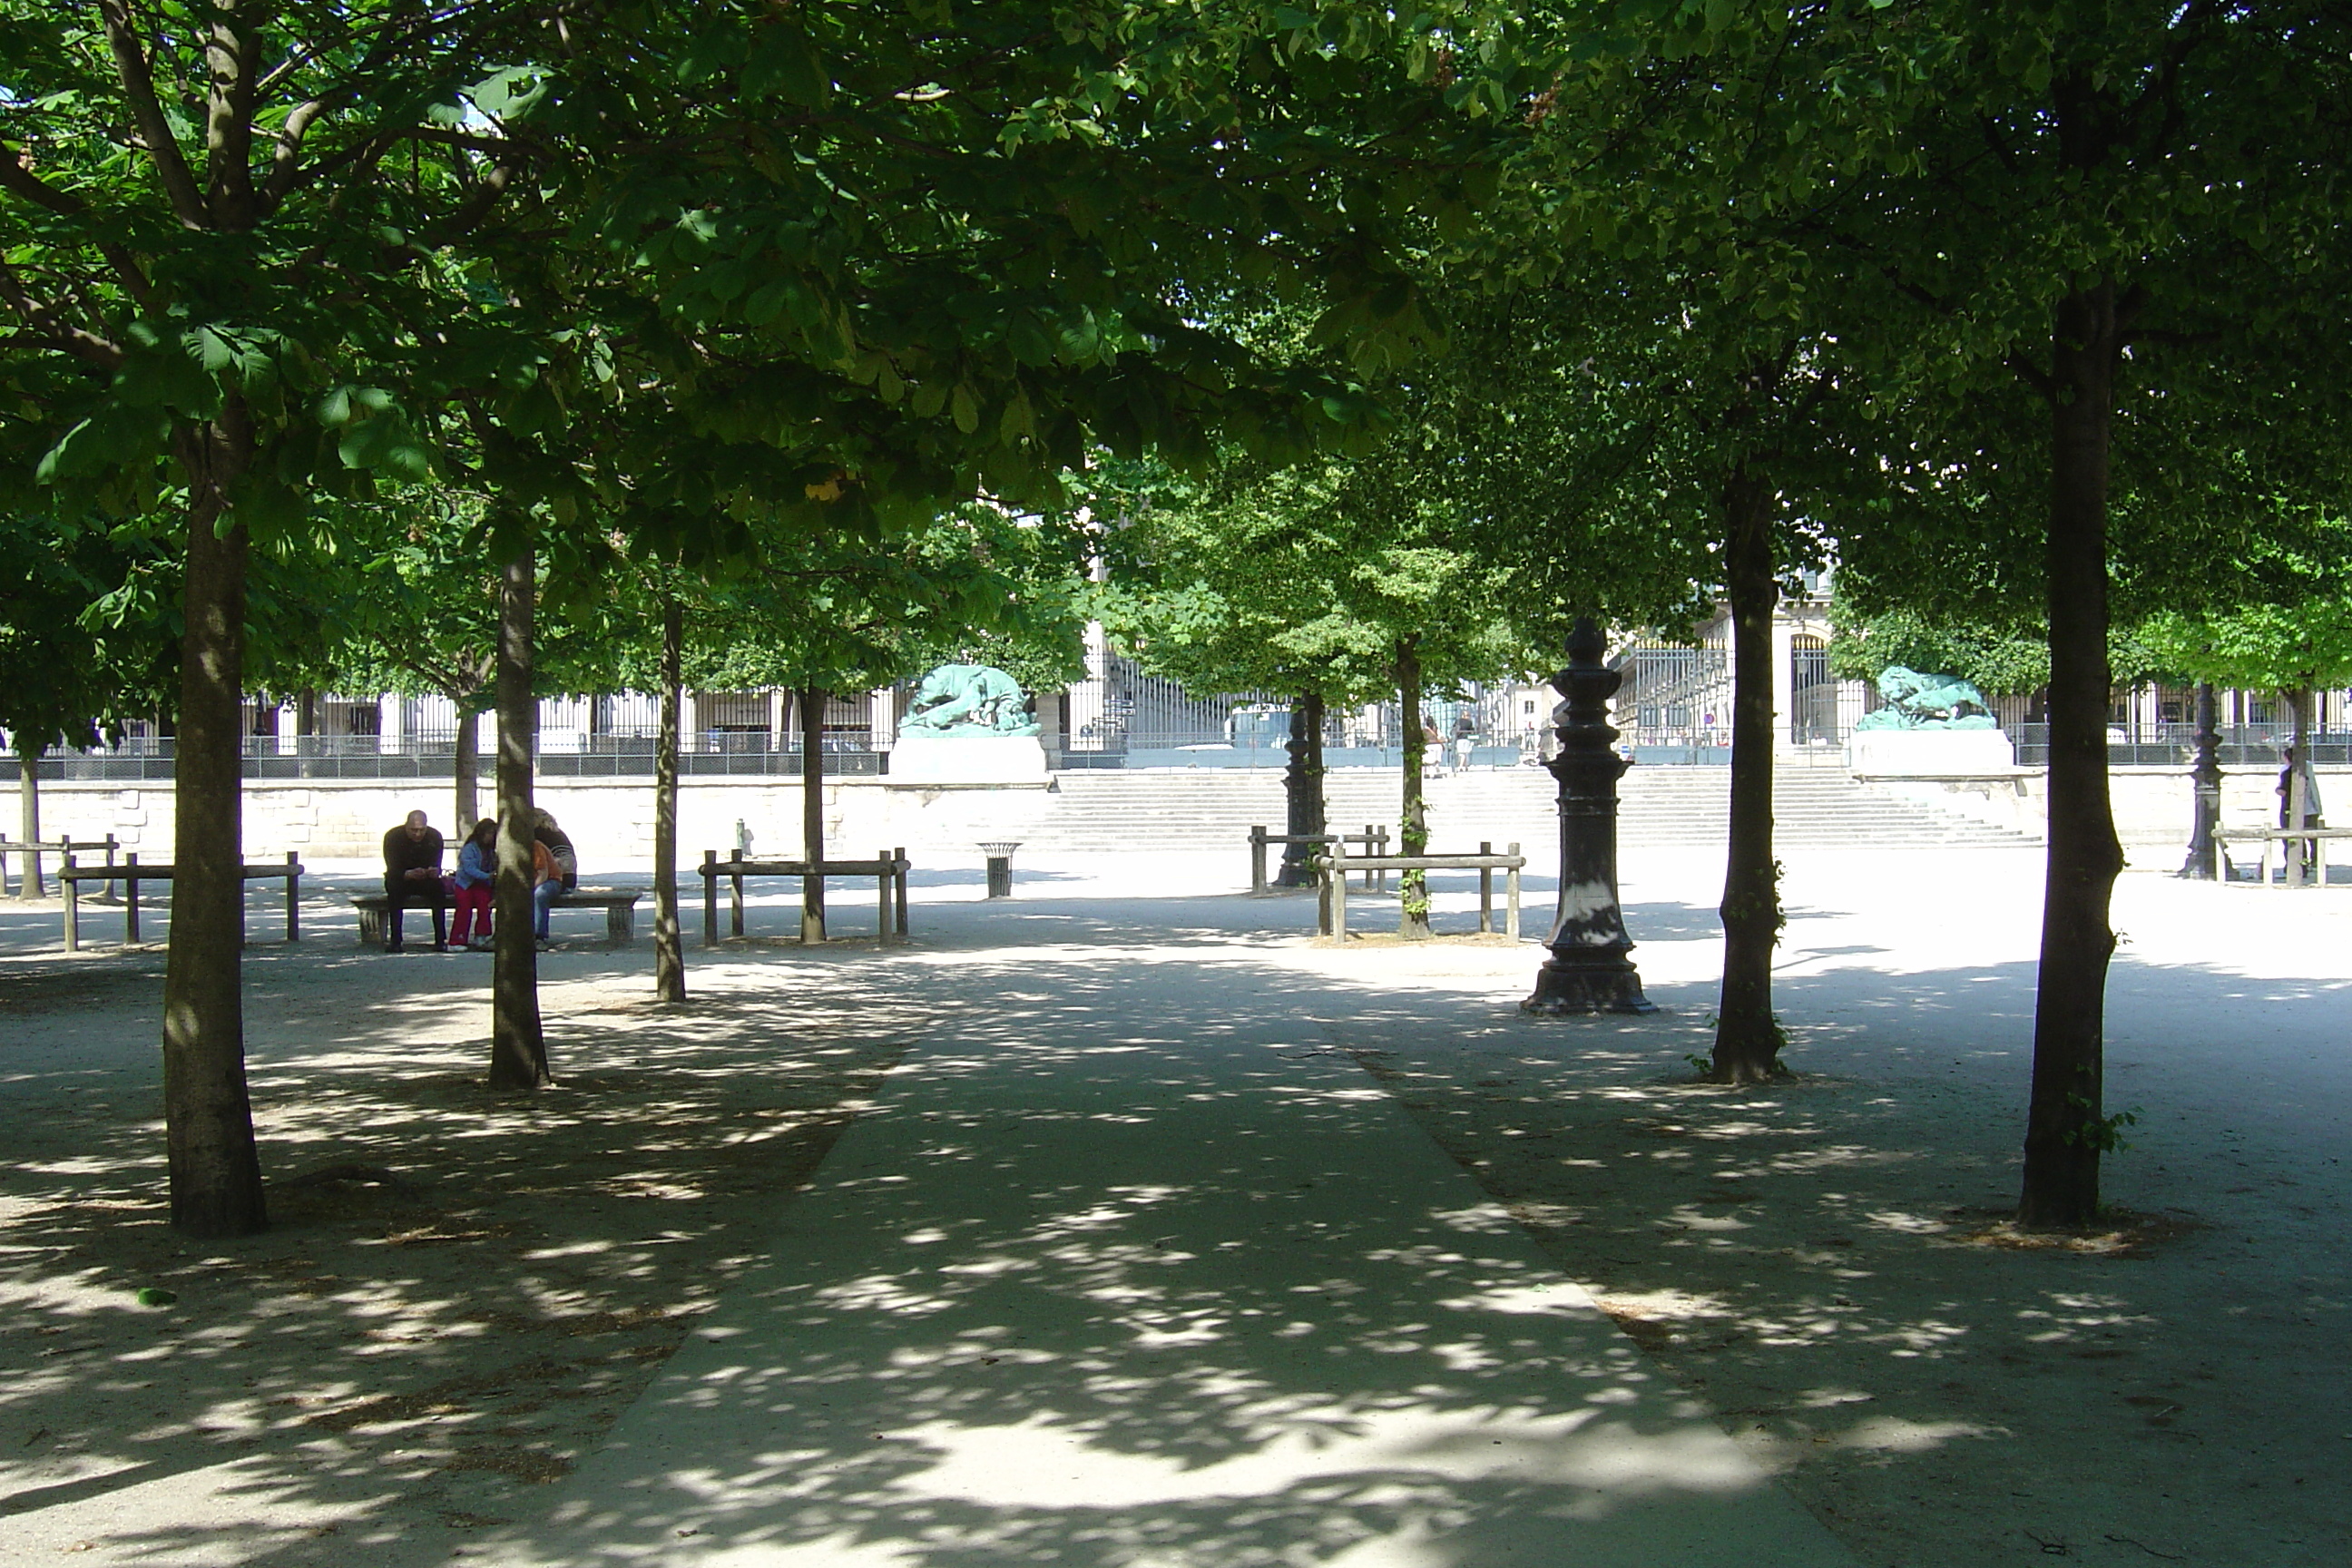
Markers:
point(619, 904)
point(2315, 871)
point(131, 873)
point(1333, 920)
point(888, 870)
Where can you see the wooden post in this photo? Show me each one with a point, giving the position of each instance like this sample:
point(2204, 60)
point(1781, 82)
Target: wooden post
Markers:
point(1340, 908)
point(1486, 892)
point(293, 898)
point(106, 895)
point(1258, 858)
point(882, 894)
point(735, 909)
point(1511, 895)
point(710, 898)
point(898, 856)
point(73, 902)
point(131, 900)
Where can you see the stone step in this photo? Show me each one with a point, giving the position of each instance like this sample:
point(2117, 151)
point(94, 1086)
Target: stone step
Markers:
point(1206, 809)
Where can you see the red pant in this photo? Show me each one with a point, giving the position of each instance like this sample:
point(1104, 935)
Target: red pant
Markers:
point(473, 904)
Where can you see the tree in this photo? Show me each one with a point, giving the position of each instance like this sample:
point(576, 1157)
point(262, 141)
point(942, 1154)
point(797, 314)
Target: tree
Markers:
point(1996, 660)
point(1333, 580)
point(2082, 207)
point(1707, 427)
point(2160, 186)
point(77, 656)
point(819, 617)
point(832, 266)
point(214, 276)
point(2298, 640)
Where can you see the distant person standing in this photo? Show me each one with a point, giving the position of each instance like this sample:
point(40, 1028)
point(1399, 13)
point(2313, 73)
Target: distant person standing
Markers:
point(478, 870)
point(1465, 742)
point(412, 875)
point(2312, 810)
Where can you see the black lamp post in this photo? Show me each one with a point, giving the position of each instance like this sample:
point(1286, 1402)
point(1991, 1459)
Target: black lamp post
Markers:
point(2203, 863)
point(1588, 970)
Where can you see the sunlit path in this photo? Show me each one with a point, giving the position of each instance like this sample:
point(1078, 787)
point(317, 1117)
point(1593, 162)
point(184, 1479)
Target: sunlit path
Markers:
point(1124, 1267)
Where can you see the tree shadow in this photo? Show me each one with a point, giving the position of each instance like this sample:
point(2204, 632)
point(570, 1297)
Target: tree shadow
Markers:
point(1823, 1259)
point(1158, 1296)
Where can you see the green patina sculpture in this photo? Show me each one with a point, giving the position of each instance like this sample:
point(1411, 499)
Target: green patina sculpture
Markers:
point(957, 700)
point(1917, 701)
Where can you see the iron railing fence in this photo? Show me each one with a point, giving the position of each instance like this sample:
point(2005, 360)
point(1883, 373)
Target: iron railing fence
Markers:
point(2175, 745)
point(1673, 699)
point(563, 754)
point(1348, 747)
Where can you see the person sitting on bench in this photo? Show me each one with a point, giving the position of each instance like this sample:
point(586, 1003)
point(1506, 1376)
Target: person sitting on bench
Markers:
point(412, 875)
point(477, 869)
point(555, 868)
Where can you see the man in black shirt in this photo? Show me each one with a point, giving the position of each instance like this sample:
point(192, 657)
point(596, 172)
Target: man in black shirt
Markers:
point(412, 875)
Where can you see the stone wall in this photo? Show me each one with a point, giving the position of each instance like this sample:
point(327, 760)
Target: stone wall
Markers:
point(611, 820)
point(2151, 804)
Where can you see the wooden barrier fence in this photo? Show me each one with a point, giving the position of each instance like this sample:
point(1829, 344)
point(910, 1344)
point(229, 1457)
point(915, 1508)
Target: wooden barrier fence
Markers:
point(888, 867)
point(131, 873)
point(1374, 838)
point(1333, 921)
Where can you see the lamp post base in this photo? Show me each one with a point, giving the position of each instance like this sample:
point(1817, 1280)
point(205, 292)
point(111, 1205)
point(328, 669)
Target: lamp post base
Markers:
point(1563, 991)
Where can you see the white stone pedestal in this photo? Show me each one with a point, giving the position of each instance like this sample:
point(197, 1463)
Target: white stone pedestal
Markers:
point(966, 760)
point(1928, 753)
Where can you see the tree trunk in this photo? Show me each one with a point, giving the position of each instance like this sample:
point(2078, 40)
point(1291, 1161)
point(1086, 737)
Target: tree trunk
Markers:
point(2205, 775)
point(669, 948)
point(1748, 1038)
point(1302, 785)
point(467, 765)
point(1413, 824)
point(812, 704)
point(28, 816)
point(2066, 1130)
point(517, 1045)
point(215, 1169)
point(306, 712)
point(2295, 808)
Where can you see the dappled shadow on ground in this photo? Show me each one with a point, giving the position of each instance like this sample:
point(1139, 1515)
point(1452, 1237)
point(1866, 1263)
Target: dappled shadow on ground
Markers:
point(1160, 1296)
point(1130, 1268)
point(1823, 1260)
point(460, 1290)
point(1167, 1292)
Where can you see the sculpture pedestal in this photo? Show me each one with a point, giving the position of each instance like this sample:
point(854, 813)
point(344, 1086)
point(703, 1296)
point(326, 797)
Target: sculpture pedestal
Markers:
point(968, 760)
point(1607, 983)
point(1928, 753)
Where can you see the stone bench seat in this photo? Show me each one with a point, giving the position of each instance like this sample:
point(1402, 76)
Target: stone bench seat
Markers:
point(619, 904)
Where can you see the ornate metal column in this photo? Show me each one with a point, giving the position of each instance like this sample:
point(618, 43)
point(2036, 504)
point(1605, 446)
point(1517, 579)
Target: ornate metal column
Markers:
point(2203, 863)
point(1589, 971)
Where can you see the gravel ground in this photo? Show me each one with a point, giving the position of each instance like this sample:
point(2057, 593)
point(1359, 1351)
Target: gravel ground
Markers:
point(401, 1361)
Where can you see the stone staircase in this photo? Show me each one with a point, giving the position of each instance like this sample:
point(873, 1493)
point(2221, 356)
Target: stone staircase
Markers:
point(1813, 808)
